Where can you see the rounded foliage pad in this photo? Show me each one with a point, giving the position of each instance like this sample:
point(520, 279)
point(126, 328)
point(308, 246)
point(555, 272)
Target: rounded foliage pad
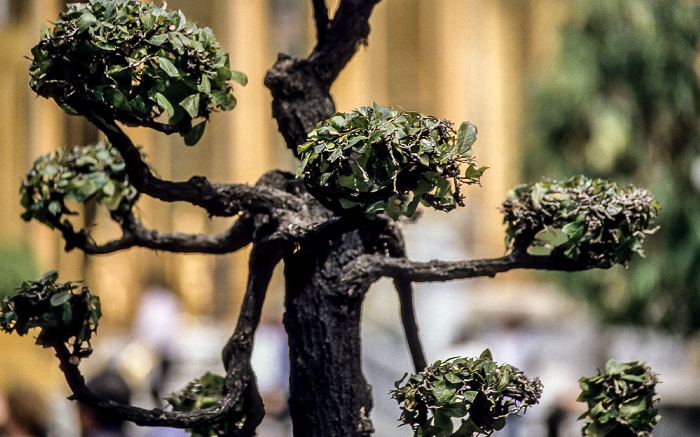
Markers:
point(376, 159)
point(133, 62)
point(478, 391)
point(63, 313)
point(598, 222)
point(78, 174)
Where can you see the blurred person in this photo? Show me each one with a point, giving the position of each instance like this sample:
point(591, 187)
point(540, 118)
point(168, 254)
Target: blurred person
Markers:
point(22, 413)
point(270, 361)
point(157, 326)
point(108, 384)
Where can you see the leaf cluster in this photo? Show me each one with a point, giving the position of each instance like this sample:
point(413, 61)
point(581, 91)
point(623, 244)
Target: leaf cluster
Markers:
point(477, 390)
point(377, 159)
point(602, 223)
point(133, 62)
point(78, 174)
point(202, 393)
point(620, 401)
point(64, 312)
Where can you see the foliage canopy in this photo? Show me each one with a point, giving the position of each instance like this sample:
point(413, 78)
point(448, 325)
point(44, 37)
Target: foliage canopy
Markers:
point(78, 174)
point(620, 401)
point(134, 62)
point(479, 391)
point(373, 157)
point(64, 313)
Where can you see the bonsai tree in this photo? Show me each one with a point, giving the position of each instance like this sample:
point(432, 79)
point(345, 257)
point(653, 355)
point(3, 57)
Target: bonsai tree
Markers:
point(335, 224)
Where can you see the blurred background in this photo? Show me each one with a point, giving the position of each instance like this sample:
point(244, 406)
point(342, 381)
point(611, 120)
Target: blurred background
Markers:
point(608, 88)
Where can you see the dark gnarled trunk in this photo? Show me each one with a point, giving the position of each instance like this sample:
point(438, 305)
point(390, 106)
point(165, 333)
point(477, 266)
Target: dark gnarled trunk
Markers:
point(329, 394)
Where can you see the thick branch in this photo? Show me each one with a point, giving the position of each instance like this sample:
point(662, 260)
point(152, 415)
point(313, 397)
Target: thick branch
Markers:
point(300, 87)
point(347, 31)
point(369, 268)
point(321, 18)
point(263, 260)
point(140, 416)
point(224, 200)
point(134, 234)
point(240, 380)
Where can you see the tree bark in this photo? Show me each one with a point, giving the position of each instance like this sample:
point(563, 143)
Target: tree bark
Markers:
point(329, 396)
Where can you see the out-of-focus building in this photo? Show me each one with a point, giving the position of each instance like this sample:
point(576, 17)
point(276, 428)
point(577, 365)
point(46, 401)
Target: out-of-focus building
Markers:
point(459, 59)
point(455, 59)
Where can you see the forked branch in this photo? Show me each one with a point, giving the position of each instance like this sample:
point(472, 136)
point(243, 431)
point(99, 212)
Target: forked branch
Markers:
point(135, 234)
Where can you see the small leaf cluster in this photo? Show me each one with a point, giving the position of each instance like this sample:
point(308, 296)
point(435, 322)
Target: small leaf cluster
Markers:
point(202, 393)
point(620, 401)
point(65, 313)
point(78, 174)
point(133, 62)
point(479, 391)
point(602, 223)
point(377, 159)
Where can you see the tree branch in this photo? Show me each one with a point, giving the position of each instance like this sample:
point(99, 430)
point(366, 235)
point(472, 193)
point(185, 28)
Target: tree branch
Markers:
point(134, 234)
point(223, 200)
point(140, 416)
point(347, 31)
point(369, 268)
point(404, 287)
point(321, 18)
point(300, 87)
point(263, 259)
point(239, 382)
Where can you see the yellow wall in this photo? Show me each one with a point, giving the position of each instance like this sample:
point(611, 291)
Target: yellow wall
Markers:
point(456, 59)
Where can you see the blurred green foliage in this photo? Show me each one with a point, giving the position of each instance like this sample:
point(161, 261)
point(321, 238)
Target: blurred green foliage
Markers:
point(78, 174)
point(63, 313)
point(623, 103)
point(205, 392)
point(16, 266)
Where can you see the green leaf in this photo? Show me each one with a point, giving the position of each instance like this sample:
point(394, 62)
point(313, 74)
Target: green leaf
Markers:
point(49, 277)
point(347, 204)
point(466, 137)
point(158, 40)
point(164, 103)
point(60, 298)
point(204, 85)
point(117, 99)
point(239, 77)
point(191, 104)
point(473, 173)
point(45, 33)
point(195, 134)
point(86, 20)
point(168, 67)
point(374, 208)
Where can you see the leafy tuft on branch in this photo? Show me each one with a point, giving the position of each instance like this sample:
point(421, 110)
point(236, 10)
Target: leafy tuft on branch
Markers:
point(620, 401)
point(477, 390)
point(370, 159)
point(65, 313)
point(601, 223)
point(134, 62)
point(205, 392)
point(79, 175)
